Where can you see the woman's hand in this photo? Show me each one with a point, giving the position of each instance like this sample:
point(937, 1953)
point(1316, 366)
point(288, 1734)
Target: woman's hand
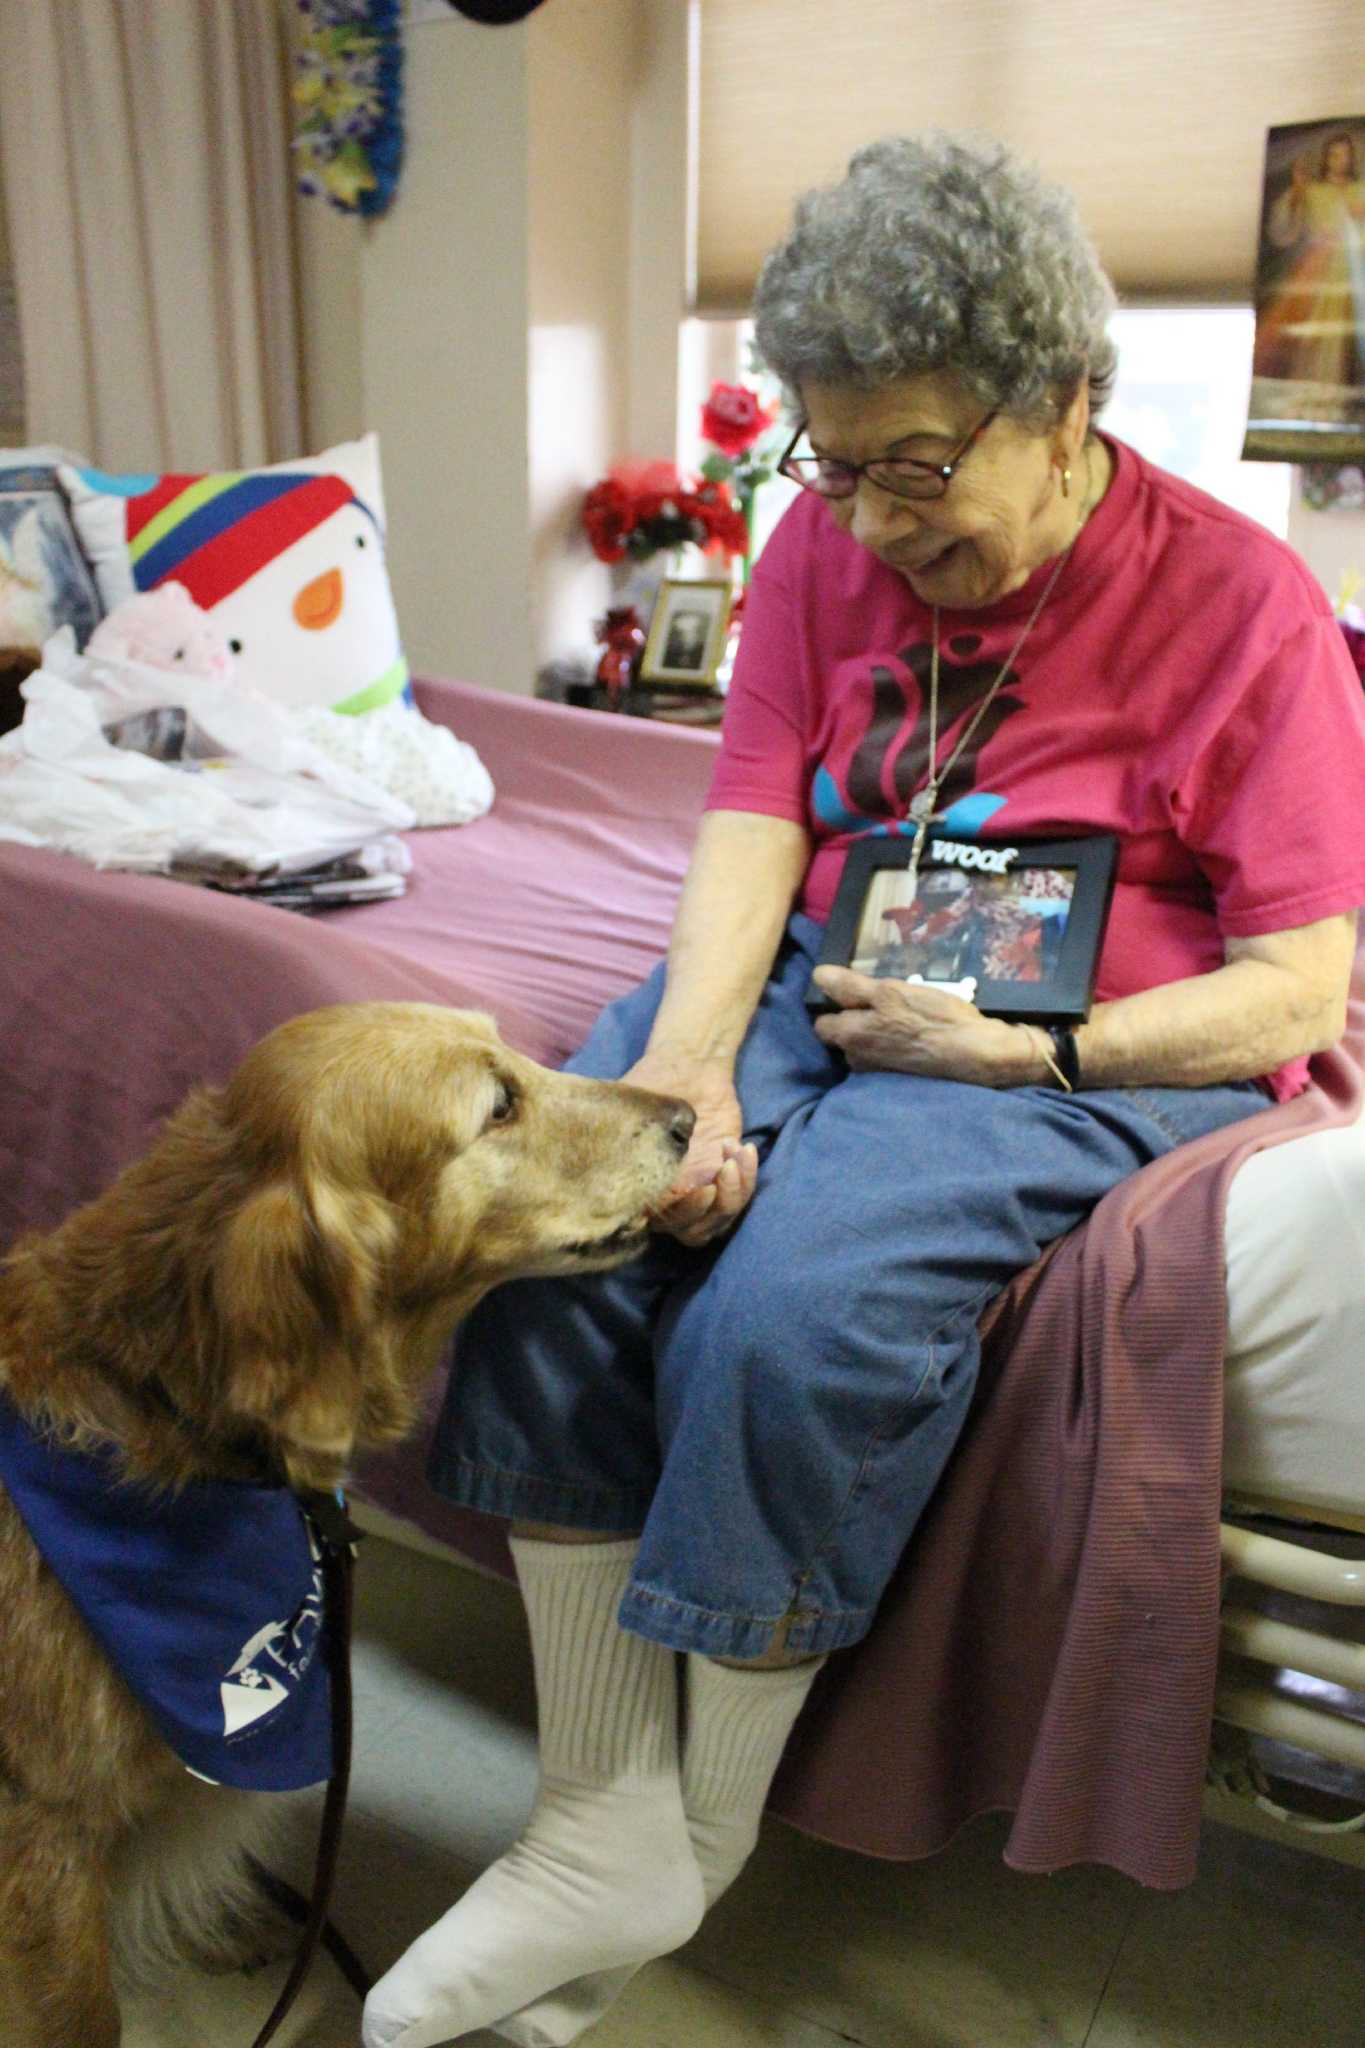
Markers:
point(718, 1174)
point(913, 1029)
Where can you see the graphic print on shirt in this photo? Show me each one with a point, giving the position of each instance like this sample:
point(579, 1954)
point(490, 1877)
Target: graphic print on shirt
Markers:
point(272, 1661)
point(872, 787)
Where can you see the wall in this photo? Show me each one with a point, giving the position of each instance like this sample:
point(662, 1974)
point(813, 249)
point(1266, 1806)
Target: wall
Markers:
point(581, 74)
point(11, 364)
point(1332, 543)
point(444, 323)
point(415, 325)
point(328, 248)
point(610, 203)
point(661, 280)
point(511, 325)
point(610, 206)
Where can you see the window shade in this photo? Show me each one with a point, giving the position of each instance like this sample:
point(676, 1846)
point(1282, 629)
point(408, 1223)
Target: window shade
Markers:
point(1153, 112)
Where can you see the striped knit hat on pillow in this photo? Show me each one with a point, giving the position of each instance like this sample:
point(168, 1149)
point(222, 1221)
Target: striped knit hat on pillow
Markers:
point(289, 563)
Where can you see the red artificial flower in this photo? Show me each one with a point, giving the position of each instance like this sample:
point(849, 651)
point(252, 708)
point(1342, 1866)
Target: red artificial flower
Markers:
point(694, 501)
point(608, 517)
point(733, 419)
point(657, 480)
point(727, 530)
point(643, 508)
point(650, 504)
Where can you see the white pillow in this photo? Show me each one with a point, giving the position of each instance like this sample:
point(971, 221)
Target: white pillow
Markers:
point(1294, 1413)
point(288, 561)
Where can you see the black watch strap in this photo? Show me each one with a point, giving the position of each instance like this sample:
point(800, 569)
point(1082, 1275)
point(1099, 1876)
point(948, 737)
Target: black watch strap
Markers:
point(1068, 1057)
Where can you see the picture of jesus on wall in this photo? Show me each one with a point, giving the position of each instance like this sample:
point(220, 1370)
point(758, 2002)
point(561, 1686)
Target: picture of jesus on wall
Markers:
point(1308, 367)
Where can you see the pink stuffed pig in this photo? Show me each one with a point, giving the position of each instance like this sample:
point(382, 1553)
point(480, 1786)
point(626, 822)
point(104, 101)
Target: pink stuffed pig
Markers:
point(164, 628)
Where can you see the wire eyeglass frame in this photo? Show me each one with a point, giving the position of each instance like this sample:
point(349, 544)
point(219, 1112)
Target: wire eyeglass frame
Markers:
point(903, 476)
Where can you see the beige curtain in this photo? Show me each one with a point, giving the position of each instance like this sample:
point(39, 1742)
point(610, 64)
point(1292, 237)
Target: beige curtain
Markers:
point(1153, 112)
point(11, 355)
point(148, 192)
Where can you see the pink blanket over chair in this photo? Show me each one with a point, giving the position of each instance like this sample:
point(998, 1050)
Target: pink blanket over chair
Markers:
point(1050, 1643)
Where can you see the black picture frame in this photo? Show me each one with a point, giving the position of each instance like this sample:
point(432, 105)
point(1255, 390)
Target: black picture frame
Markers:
point(980, 922)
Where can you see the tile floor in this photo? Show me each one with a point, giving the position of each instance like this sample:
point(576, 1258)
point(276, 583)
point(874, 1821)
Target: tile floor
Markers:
point(814, 1947)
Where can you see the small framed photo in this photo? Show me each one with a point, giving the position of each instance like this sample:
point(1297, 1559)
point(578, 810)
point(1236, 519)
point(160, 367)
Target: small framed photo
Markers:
point(687, 634)
point(1015, 928)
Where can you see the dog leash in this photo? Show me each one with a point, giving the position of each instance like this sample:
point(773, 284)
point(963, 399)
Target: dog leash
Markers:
point(337, 1538)
point(296, 1907)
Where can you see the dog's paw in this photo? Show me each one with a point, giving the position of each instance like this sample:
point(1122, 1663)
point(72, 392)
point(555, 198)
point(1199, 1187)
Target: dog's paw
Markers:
point(247, 1944)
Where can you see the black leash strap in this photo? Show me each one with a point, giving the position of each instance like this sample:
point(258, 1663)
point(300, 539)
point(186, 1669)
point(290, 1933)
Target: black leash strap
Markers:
point(337, 1537)
point(296, 1907)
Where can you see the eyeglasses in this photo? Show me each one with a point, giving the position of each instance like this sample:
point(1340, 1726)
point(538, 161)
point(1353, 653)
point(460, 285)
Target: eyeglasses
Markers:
point(901, 475)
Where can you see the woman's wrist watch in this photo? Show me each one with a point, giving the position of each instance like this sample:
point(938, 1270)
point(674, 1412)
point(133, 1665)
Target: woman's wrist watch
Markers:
point(1066, 1055)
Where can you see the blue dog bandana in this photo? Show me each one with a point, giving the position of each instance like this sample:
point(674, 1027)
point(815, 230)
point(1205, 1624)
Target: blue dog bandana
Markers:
point(208, 1603)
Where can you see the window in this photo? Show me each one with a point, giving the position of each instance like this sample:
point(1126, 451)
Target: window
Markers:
point(1180, 400)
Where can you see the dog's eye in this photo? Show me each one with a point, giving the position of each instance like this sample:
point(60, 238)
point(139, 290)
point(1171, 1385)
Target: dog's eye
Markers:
point(504, 1104)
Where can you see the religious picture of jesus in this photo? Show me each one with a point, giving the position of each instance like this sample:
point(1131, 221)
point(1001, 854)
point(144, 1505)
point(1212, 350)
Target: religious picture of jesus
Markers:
point(1308, 365)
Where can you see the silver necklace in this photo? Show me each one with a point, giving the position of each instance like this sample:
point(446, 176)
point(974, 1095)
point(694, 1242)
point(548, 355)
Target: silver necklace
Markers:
point(922, 805)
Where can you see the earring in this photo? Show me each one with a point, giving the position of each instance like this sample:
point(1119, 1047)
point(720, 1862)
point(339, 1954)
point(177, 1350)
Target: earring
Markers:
point(1066, 483)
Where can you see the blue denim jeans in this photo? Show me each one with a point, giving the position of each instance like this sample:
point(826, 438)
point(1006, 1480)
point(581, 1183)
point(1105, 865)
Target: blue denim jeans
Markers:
point(773, 1412)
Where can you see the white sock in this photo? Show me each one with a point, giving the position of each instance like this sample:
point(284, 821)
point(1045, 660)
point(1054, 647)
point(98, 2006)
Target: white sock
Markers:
point(603, 1873)
point(738, 1722)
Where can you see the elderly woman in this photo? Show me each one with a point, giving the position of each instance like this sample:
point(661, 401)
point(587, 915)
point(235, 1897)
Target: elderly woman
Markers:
point(978, 602)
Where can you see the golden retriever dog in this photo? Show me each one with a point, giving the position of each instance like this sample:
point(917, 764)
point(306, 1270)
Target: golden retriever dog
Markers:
point(265, 1294)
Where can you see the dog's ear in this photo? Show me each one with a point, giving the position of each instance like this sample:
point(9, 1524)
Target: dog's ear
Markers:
point(298, 1281)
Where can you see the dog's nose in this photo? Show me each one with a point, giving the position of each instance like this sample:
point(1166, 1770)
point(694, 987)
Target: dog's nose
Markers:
point(680, 1125)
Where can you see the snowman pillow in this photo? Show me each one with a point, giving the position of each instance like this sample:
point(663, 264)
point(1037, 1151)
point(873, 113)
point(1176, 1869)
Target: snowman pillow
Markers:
point(288, 562)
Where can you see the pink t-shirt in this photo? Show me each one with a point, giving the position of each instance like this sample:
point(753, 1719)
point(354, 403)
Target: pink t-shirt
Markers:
point(1185, 687)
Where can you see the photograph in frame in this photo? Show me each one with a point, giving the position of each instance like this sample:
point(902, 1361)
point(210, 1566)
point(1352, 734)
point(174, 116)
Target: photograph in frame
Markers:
point(1012, 926)
point(687, 634)
point(1308, 362)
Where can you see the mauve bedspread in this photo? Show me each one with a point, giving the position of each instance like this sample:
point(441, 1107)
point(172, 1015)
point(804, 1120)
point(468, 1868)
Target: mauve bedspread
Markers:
point(1050, 1643)
point(119, 992)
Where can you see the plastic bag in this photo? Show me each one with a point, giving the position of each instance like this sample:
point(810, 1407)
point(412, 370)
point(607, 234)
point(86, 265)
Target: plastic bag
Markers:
point(241, 786)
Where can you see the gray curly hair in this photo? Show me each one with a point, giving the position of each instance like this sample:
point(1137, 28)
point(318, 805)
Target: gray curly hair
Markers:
point(934, 253)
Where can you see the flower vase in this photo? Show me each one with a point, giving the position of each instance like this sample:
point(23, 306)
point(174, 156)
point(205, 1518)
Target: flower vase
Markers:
point(638, 583)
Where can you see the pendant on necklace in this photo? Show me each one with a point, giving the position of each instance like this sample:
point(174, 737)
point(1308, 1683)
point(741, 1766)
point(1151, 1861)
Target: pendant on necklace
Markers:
point(922, 806)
